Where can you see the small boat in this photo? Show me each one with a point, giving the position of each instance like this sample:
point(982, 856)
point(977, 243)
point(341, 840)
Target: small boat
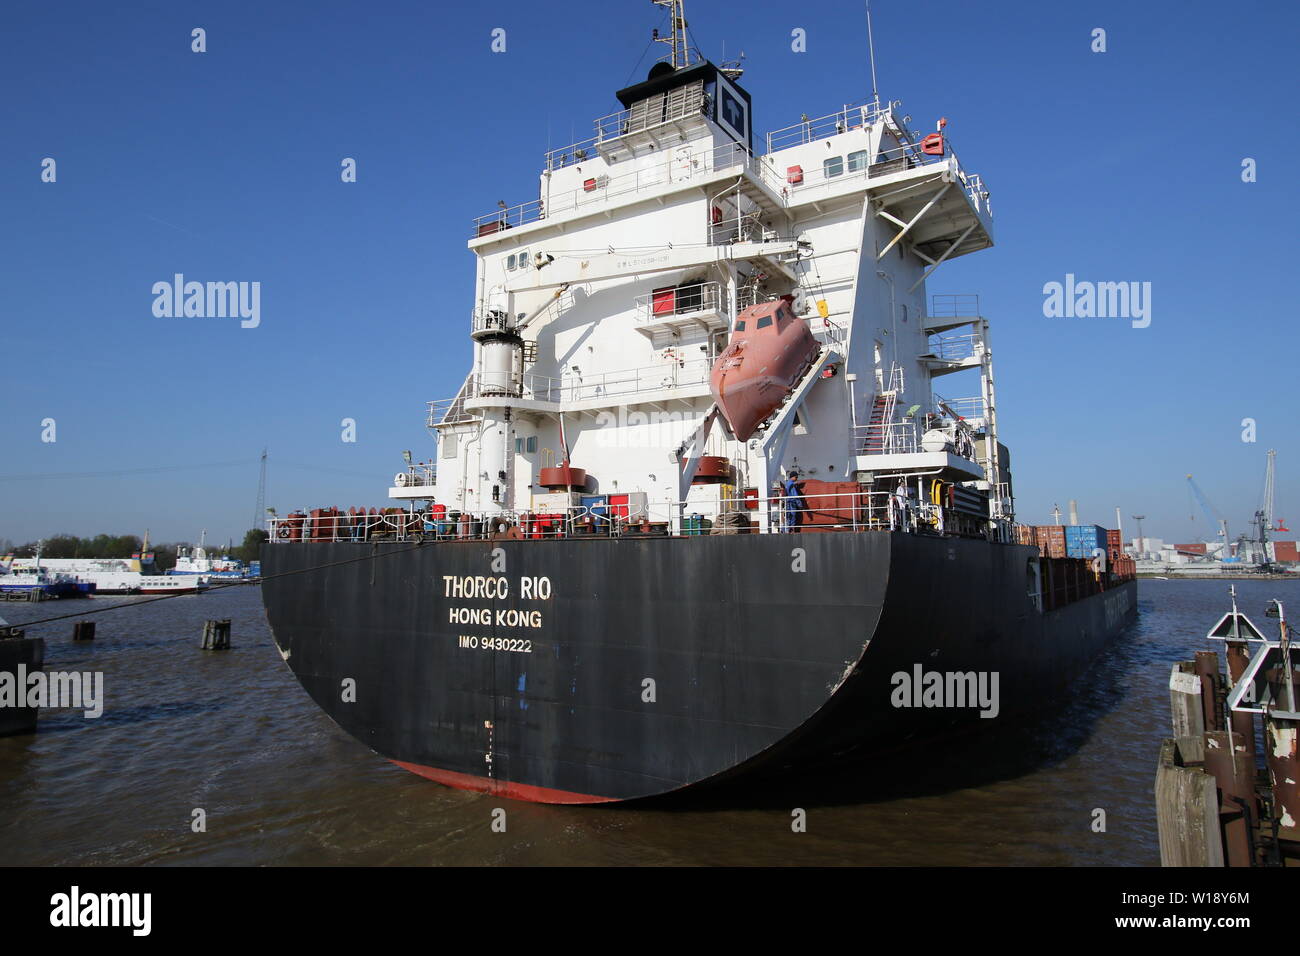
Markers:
point(49, 583)
point(771, 348)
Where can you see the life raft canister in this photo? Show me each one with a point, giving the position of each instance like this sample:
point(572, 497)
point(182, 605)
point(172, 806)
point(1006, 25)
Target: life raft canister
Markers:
point(932, 145)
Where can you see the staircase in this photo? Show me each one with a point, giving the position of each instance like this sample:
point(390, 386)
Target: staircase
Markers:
point(880, 437)
point(880, 414)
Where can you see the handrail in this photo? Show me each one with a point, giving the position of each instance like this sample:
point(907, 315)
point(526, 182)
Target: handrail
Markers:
point(673, 169)
point(850, 116)
point(954, 305)
point(687, 299)
point(617, 125)
point(860, 510)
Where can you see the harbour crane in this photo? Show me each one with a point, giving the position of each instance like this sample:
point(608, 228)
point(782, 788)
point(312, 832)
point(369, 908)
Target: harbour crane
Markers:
point(1211, 514)
point(1264, 517)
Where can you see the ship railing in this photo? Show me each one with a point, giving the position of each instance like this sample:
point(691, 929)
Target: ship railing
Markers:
point(887, 438)
point(600, 189)
point(746, 227)
point(965, 409)
point(423, 474)
point(954, 348)
point(953, 306)
point(850, 116)
point(685, 300)
point(449, 411)
point(508, 217)
point(908, 154)
point(858, 509)
point(827, 331)
point(485, 318)
point(577, 386)
point(617, 125)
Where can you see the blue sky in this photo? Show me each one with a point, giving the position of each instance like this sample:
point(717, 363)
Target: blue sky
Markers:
point(1123, 165)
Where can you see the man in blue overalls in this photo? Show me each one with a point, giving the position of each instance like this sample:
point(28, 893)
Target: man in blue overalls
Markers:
point(792, 500)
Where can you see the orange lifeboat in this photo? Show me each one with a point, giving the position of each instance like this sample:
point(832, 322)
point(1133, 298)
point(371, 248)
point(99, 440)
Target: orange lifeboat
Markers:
point(770, 350)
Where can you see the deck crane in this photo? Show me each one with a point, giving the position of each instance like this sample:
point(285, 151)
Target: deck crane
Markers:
point(1212, 515)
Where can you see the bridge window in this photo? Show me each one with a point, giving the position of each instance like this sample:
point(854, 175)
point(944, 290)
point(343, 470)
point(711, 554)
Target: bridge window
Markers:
point(833, 166)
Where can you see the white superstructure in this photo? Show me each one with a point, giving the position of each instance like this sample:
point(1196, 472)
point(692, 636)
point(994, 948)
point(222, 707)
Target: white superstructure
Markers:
point(602, 304)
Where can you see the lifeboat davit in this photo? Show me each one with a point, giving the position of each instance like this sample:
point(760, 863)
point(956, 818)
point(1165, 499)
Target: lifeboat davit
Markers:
point(771, 348)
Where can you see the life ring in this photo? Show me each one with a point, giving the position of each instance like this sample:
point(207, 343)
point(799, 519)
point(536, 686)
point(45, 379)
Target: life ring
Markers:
point(282, 531)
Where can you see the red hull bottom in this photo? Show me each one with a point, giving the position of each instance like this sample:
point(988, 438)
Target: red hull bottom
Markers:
point(501, 788)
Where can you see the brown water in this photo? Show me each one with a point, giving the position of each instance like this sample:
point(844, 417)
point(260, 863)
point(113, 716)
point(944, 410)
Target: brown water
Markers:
point(233, 733)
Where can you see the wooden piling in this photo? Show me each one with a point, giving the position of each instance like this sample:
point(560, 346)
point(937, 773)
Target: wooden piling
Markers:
point(216, 635)
point(83, 631)
point(1185, 705)
point(1187, 806)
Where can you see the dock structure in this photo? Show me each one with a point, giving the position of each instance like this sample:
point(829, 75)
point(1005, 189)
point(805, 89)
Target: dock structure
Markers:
point(1222, 800)
point(19, 654)
point(216, 635)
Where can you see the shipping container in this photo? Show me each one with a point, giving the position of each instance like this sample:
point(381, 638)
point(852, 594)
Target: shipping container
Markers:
point(1286, 552)
point(1082, 540)
point(1050, 539)
point(1113, 540)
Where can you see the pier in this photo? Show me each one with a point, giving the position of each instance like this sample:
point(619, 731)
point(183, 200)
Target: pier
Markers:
point(1226, 783)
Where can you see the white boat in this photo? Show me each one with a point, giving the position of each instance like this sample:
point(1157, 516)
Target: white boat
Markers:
point(172, 584)
point(196, 561)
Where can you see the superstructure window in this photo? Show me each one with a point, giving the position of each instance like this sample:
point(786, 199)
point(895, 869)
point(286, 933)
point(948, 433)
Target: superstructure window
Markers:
point(857, 161)
point(764, 322)
point(833, 166)
point(740, 326)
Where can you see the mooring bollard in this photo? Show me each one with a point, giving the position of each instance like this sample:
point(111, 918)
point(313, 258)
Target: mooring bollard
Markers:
point(216, 635)
point(83, 631)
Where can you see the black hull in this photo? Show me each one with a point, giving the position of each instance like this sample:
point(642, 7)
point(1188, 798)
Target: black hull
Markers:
point(755, 665)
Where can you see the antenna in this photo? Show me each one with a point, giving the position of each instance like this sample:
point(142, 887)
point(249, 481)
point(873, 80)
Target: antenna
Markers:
point(677, 32)
point(871, 49)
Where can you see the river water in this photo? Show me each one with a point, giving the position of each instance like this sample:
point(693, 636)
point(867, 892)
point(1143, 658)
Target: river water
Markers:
point(232, 734)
